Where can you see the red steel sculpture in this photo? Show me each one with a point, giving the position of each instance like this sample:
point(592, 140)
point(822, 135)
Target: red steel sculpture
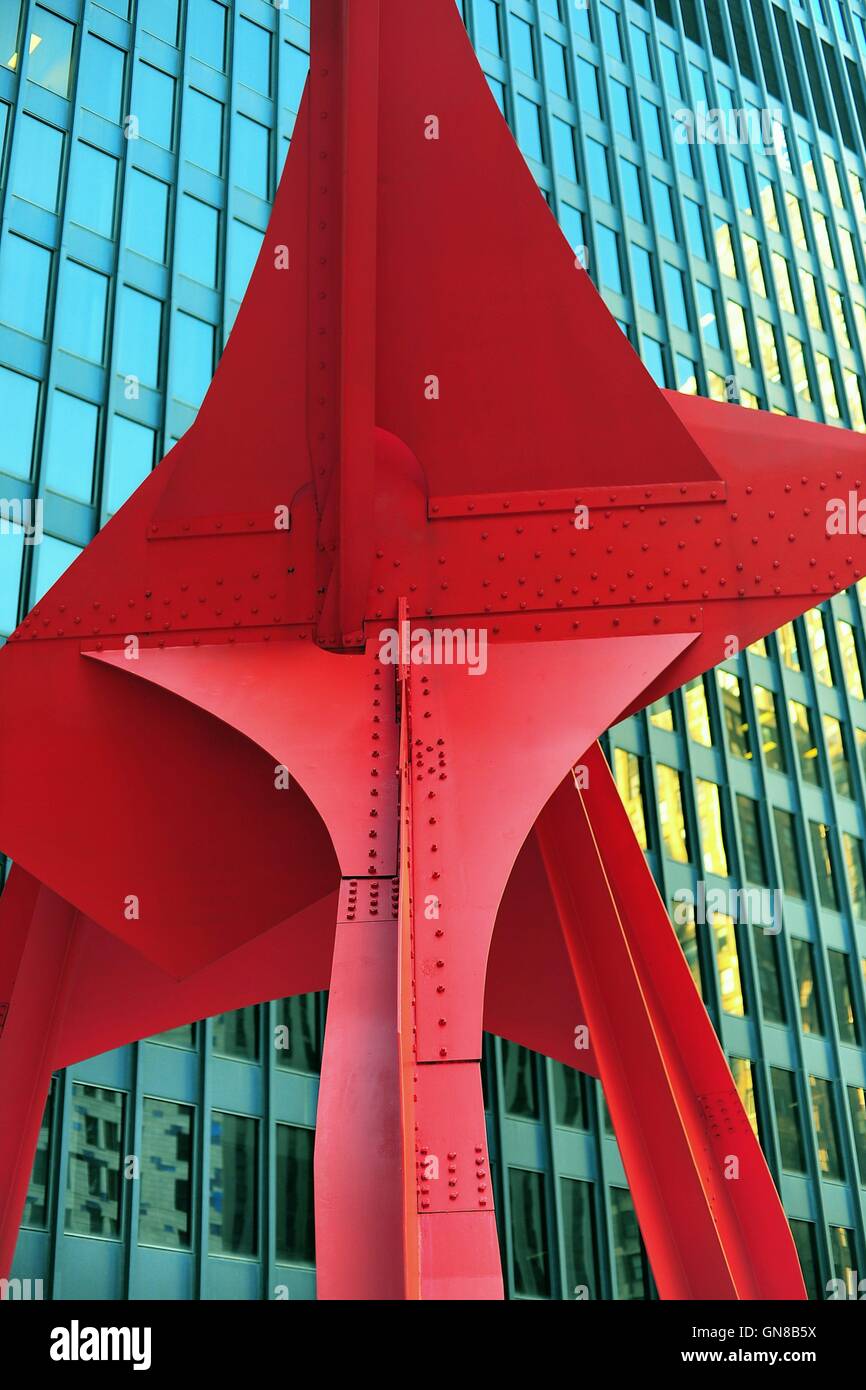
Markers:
point(426, 428)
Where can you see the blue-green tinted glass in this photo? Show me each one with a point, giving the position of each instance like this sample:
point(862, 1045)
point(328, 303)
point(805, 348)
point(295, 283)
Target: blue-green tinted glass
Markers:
point(50, 51)
point(147, 213)
point(596, 160)
point(203, 131)
point(192, 358)
point(165, 1191)
point(713, 169)
point(608, 258)
point(206, 32)
point(53, 558)
point(529, 128)
point(139, 336)
point(531, 1243)
point(244, 246)
point(4, 124)
point(621, 108)
point(572, 225)
point(654, 360)
point(70, 448)
point(522, 53)
point(236, 1034)
point(100, 86)
point(670, 71)
point(643, 277)
point(683, 153)
point(554, 62)
point(498, 92)
point(300, 9)
point(94, 1185)
point(563, 149)
point(676, 296)
point(578, 1220)
point(294, 66)
point(11, 555)
point(159, 17)
point(641, 50)
point(19, 400)
point(549, 7)
point(295, 1228)
point(487, 25)
point(631, 189)
point(709, 317)
point(198, 238)
point(38, 160)
point(663, 209)
point(118, 7)
point(610, 31)
point(81, 304)
point(695, 224)
point(587, 82)
point(233, 1214)
point(253, 56)
point(92, 189)
point(154, 104)
point(250, 147)
point(740, 180)
point(581, 18)
point(10, 24)
point(652, 127)
point(25, 272)
point(130, 459)
point(687, 374)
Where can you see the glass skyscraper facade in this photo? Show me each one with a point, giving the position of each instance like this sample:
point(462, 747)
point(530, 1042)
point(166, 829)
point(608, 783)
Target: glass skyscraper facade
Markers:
point(707, 161)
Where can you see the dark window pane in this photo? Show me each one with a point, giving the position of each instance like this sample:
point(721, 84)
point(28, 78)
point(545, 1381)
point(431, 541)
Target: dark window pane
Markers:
point(826, 1129)
point(857, 1105)
point(632, 1280)
point(843, 996)
point(579, 1239)
point(36, 1204)
point(529, 1233)
point(792, 879)
point(237, 1034)
point(518, 1067)
point(295, 1229)
point(233, 1218)
point(95, 1151)
point(807, 1253)
point(804, 970)
point(569, 1095)
point(820, 837)
point(769, 978)
point(787, 1108)
point(296, 1034)
point(165, 1211)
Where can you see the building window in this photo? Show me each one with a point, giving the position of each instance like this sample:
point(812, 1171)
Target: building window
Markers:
point(811, 1017)
point(206, 32)
point(856, 870)
point(295, 1233)
point(843, 996)
point(35, 1214)
point(237, 1035)
point(297, 1034)
point(787, 1108)
point(842, 1252)
point(202, 135)
point(100, 80)
point(805, 742)
point(192, 358)
point(849, 658)
point(93, 1188)
point(154, 104)
point(671, 820)
point(487, 26)
point(25, 272)
point(579, 1239)
point(70, 452)
point(165, 1204)
point(736, 724)
point(92, 190)
point(741, 1070)
point(627, 774)
point(52, 560)
point(754, 860)
point(38, 163)
point(712, 831)
point(253, 56)
point(834, 742)
point(728, 962)
point(159, 17)
point(788, 649)
point(234, 1185)
point(768, 725)
point(198, 241)
point(827, 894)
point(50, 51)
point(632, 1273)
point(569, 1097)
point(81, 310)
point(19, 402)
point(697, 712)
point(129, 461)
point(857, 1106)
point(528, 129)
point(139, 337)
point(250, 152)
point(608, 258)
point(817, 635)
point(807, 1253)
point(769, 976)
point(789, 858)
point(661, 714)
point(826, 1131)
point(529, 1233)
point(182, 1036)
point(518, 1070)
point(146, 215)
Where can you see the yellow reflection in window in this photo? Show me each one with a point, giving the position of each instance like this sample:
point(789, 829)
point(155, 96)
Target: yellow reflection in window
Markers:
point(739, 333)
point(850, 661)
point(790, 652)
point(697, 713)
point(661, 715)
point(832, 173)
point(769, 353)
point(860, 319)
point(835, 744)
point(673, 826)
point(854, 397)
point(683, 918)
point(728, 964)
point(799, 373)
point(725, 249)
point(710, 821)
point(741, 1070)
point(804, 740)
point(782, 277)
point(825, 381)
point(718, 390)
point(754, 268)
point(822, 237)
point(798, 231)
point(759, 648)
point(849, 260)
point(768, 723)
point(768, 203)
point(810, 177)
point(817, 636)
point(626, 772)
point(810, 299)
point(857, 194)
point(749, 399)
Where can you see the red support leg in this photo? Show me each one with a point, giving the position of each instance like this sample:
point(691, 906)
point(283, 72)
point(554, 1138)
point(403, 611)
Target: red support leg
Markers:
point(708, 1211)
point(35, 939)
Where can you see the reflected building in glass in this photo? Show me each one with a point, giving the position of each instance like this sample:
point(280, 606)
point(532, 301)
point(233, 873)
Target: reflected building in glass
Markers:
point(141, 142)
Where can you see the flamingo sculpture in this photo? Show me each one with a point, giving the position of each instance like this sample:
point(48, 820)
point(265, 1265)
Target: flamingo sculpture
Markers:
point(234, 769)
